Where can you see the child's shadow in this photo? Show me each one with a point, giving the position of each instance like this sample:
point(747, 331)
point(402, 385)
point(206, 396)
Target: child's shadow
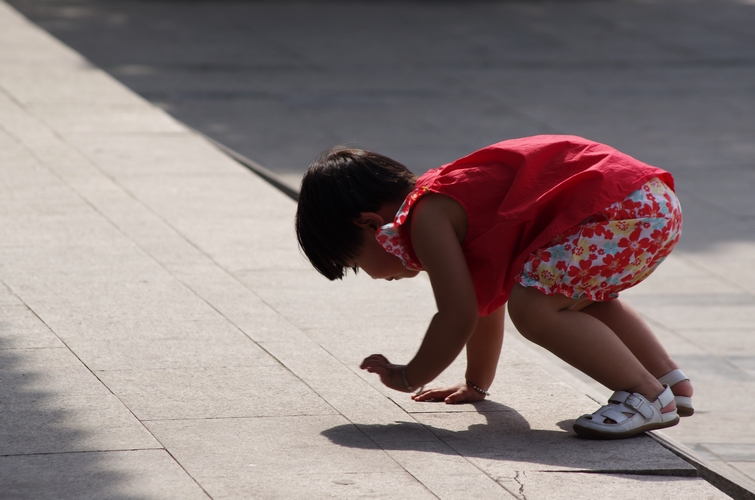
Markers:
point(505, 436)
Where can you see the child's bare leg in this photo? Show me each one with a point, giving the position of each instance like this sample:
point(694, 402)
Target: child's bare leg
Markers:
point(636, 334)
point(581, 340)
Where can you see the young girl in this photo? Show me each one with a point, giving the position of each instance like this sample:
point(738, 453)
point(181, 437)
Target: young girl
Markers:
point(556, 226)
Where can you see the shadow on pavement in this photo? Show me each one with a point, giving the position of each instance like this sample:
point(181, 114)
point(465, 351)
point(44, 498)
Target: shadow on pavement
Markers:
point(507, 437)
point(44, 452)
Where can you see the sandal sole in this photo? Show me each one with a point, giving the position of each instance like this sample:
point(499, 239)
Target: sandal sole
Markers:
point(685, 411)
point(684, 406)
point(590, 433)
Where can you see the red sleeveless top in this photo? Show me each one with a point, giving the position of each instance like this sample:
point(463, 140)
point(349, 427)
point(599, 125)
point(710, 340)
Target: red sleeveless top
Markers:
point(518, 195)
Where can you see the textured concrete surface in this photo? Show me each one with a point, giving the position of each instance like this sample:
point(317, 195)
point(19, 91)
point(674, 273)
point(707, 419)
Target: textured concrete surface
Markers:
point(162, 337)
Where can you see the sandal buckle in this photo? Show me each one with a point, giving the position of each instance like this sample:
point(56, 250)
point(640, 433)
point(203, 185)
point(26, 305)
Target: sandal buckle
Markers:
point(640, 405)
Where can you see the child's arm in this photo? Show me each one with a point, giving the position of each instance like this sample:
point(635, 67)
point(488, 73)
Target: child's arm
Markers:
point(483, 350)
point(436, 234)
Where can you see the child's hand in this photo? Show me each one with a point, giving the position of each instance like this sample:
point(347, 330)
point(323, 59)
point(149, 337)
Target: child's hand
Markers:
point(459, 393)
point(390, 374)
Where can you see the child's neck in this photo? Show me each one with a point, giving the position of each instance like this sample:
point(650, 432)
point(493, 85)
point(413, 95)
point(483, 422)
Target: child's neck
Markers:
point(389, 210)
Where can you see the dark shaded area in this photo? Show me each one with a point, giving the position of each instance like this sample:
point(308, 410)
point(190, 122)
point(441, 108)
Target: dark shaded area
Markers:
point(671, 83)
point(280, 81)
point(42, 454)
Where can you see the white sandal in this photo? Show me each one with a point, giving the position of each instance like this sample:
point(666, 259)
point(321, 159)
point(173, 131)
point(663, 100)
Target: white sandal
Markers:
point(683, 403)
point(610, 421)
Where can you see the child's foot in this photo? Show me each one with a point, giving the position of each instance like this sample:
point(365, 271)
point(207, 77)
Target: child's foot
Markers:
point(627, 415)
point(682, 389)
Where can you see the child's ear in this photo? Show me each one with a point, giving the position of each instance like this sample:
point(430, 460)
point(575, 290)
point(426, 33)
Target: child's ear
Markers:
point(369, 220)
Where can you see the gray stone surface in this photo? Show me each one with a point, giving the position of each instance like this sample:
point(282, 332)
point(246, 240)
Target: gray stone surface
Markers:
point(228, 392)
point(52, 403)
point(613, 486)
point(162, 336)
point(284, 458)
point(21, 328)
point(93, 475)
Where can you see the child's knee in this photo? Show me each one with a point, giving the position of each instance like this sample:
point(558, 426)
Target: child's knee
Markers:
point(530, 329)
point(535, 314)
point(525, 315)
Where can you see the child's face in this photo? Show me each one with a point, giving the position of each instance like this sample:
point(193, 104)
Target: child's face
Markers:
point(378, 263)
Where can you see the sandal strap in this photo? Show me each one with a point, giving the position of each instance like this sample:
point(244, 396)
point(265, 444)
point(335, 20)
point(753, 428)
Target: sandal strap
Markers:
point(628, 414)
point(637, 403)
point(619, 397)
point(607, 412)
point(666, 397)
point(673, 378)
point(683, 401)
point(641, 405)
point(631, 403)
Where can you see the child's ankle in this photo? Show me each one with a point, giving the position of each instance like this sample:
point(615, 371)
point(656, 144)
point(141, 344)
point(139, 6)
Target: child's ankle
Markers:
point(683, 388)
point(651, 389)
point(653, 394)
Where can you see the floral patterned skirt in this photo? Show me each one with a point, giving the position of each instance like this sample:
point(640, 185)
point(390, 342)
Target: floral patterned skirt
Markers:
point(610, 251)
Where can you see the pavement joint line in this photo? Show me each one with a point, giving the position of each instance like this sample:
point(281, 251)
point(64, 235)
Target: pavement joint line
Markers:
point(249, 164)
point(454, 452)
point(398, 463)
point(255, 167)
point(704, 469)
point(234, 417)
point(78, 452)
point(608, 64)
point(697, 265)
point(631, 472)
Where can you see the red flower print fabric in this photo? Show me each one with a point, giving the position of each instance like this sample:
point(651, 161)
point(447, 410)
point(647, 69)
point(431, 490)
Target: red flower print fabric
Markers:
point(389, 235)
point(610, 251)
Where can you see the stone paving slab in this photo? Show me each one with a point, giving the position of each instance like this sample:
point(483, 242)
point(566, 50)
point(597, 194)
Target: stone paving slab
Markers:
point(150, 474)
point(567, 486)
point(121, 264)
point(284, 458)
point(53, 404)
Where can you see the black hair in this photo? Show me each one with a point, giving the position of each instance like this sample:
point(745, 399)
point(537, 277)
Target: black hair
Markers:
point(336, 188)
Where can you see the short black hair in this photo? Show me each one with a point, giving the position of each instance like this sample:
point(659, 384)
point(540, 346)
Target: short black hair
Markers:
point(336, 188)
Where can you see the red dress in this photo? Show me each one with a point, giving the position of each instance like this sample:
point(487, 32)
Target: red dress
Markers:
point(519, 195)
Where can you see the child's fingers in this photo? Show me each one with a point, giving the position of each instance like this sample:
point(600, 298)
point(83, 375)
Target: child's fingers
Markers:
point(374, 360)
point(380, 369)
point(464, 395)
point(456, 397)
point(431, 395)
point(449, 395)
point(377, 357)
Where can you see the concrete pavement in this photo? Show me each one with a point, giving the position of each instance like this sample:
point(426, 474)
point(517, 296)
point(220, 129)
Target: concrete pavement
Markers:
point(163, 338)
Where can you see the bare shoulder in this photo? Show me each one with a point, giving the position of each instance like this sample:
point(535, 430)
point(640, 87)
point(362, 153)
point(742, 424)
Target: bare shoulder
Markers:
point(437, 233)
point(435, 209)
